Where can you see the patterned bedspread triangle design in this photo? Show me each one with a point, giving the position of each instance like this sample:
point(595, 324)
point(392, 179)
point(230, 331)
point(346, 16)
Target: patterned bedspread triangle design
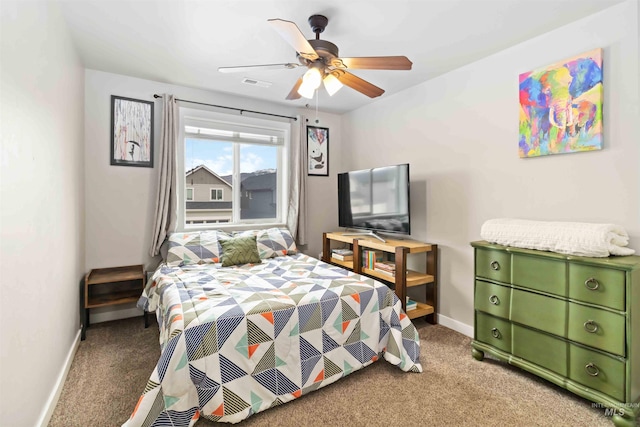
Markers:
point(239, 340)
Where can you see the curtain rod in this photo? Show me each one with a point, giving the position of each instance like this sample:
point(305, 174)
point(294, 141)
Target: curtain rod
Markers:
point(242, 110)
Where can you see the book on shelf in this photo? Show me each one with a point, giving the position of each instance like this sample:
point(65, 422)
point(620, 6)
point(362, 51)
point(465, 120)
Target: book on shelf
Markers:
point(342, 257)
point(369, 258)
point(342, 251)
point(411, 304)
point(386, 272)
point(385, 265)
point(385, 268)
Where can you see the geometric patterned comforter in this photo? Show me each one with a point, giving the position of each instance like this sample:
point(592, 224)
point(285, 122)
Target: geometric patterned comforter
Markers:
point(239, 340)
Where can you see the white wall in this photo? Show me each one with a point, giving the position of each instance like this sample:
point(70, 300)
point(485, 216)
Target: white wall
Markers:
point(120, 200)
point(459, 132)
point(42, 214)
point(322, 191)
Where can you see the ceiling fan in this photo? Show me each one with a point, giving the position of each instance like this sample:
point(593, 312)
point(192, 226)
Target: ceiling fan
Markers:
point(323, 62)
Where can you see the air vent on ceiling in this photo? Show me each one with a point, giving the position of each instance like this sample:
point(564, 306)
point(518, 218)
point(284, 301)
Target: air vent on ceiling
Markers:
point(254, 82)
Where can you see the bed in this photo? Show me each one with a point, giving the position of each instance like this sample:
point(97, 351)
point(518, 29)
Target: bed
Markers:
point(240, 337)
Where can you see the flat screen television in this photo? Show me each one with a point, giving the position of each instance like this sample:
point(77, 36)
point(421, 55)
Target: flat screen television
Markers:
point(375, 199)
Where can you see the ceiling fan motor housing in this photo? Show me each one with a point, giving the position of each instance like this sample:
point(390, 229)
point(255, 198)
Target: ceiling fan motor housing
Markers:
point(318, 23)
point(326, 50)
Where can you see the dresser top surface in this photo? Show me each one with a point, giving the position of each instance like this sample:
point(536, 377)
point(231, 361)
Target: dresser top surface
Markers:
point(624, 262)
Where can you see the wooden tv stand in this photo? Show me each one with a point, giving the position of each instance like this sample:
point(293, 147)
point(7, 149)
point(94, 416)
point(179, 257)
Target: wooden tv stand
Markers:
point(404, 278)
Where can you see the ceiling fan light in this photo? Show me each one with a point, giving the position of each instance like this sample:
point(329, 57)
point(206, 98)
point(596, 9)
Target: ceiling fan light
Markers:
point(312, 77)
point(306, 91)
point(332, 84)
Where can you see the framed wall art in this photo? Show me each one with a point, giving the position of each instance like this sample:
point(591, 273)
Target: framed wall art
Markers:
point(317, 151)
point(131, 132)
point(561, 107)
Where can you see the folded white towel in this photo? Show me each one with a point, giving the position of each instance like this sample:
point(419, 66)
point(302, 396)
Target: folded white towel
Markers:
point(573, 238)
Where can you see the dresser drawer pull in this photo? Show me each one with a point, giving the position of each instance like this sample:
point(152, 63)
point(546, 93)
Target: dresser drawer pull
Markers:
point(496, 333)
point(495, 265)
point(592, 369)
point(493, 299)
point(591, 326)
point(591, 284)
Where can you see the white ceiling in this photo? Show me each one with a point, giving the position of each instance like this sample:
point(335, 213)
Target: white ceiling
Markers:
point(183, 42)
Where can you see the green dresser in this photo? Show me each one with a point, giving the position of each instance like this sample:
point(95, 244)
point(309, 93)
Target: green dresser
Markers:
point(571, 320)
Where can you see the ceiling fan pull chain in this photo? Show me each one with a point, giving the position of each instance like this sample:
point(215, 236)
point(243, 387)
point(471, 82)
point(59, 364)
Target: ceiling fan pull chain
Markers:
point(317, 96)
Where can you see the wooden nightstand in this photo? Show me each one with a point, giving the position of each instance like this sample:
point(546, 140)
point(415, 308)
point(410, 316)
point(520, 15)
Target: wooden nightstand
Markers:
point(111, 286)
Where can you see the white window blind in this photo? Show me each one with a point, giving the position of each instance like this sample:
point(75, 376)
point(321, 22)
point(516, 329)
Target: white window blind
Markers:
point(222, 131)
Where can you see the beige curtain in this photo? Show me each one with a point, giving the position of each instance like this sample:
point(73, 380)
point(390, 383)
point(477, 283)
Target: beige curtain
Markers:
point(166, 201)
point(297, 214)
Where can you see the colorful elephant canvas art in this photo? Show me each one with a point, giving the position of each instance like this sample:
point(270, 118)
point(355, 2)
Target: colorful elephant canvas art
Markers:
point(561, 107)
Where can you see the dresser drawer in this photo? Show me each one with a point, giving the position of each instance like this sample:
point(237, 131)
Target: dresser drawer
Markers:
point(493, 299)
point(493, 265)
point(493, 331)
point(597, 371)
point(597, 328)
point(539, 312)
point(597, 285)
point(541, 274)
point(540, 348)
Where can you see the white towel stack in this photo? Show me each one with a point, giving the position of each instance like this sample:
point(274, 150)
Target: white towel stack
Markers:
point(573, 238)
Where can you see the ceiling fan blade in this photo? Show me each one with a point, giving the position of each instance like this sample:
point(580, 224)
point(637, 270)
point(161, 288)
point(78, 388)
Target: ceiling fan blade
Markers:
point(242, 68)
point(357, 83)
point(294, 91)
point(292, 34)
point(374, 63)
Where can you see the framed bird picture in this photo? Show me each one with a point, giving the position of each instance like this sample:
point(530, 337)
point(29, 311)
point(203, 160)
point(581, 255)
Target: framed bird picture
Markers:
point(317, 151)
point(131, 132)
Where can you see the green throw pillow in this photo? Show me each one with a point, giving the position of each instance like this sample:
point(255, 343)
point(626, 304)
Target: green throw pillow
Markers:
point(239, 250)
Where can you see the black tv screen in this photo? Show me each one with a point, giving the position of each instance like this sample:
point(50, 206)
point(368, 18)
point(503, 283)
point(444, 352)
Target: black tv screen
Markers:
point(375, 199)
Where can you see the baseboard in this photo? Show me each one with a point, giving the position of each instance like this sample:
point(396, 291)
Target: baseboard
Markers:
point(52, 401)
point(456, 325)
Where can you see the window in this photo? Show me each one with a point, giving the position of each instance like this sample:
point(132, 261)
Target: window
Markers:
point(240, 163)
point(216, 194)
